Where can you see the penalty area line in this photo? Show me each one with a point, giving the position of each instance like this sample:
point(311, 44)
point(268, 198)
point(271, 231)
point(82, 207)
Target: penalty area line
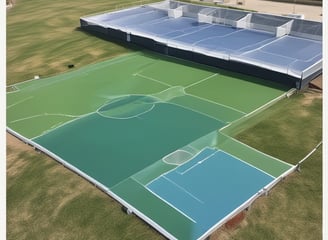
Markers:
point(216, 103)
point(170, 204)
point(183, 190)
point(152, 79)
point(202, 80)
point(19, 102)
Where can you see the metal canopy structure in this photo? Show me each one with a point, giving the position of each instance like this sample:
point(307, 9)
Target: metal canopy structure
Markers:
point(267, 46)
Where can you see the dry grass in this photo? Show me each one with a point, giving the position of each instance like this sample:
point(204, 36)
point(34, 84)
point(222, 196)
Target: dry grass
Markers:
point(43, 37)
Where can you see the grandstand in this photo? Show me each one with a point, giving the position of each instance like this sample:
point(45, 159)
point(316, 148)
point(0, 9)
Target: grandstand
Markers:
point(271, 47)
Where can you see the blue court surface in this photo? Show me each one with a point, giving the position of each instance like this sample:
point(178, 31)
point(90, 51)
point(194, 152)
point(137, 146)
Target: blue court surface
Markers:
point(187, 188)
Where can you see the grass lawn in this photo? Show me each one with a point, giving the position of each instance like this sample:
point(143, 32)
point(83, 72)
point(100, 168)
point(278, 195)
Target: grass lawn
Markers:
point(43, 37)
point(47, 201)
point(289, 130)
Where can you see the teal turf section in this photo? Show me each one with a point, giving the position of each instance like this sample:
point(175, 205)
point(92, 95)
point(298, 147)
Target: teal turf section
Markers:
point(110, 150)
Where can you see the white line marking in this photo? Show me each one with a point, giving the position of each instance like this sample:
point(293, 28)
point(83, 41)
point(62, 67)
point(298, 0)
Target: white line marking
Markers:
point(152, 79)
point(21, 101)
point(267, 104)
point(130, 117)
point(183, 190)
point(252, 166)
point(42, 115)
point(66, 123)
point(198, 112)
point(193, 148)
point(56, 125)
point(217, 36)
point(202, 80)
point(171, 205)
point(254, 149)
point(195, 165)
point(167, 89)
point(134, 179)
point(189, 33)
point(175, 152)
point(310, 153)
point(219, 104)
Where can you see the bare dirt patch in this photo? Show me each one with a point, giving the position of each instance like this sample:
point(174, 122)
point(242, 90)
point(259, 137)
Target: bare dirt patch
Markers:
point(72, 189)
point(235, 221)
point(14, 147)
point(310, 96)
point(14, 165)
point(16, 144)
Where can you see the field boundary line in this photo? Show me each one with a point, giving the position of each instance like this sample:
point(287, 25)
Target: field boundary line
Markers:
point(19, 102)
point(219, 104)
point(268, 104)
point(246, 163)
point(44, 114)
point(183, 189)
point(65, 123)
point(171, 205)
point(309, 154)
point(196, 111)
point(152, 79)
point(202, 80)
point(254, 149)
point(197, 163)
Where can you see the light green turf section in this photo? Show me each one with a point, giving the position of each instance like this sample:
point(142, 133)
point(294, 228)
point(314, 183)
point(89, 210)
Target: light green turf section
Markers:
point(239, 92)
point(160, 212)
point(151, 172)
point(212, 109)
point(256, 158)
point(174, 72)
point(39, 124)
point(170, 93)
point(75, 94)
point(53, 101)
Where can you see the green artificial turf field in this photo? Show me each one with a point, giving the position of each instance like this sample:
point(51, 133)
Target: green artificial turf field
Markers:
point(110, 122)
